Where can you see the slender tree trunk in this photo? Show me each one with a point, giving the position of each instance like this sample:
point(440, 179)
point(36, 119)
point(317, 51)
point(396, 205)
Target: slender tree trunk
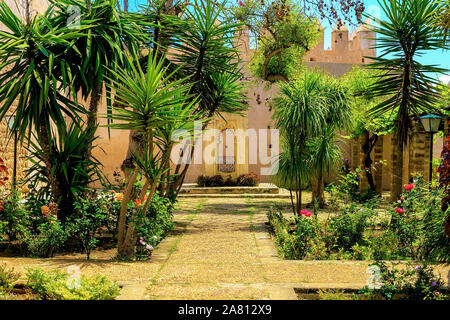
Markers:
point(91, 122)
point(292, 202)
point(398, 173)
point(367, 147)
point(44, 142)
point(318, 192)
point(121, 228)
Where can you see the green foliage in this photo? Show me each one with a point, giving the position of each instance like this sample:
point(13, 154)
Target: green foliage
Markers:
point(366, 230)
point(347, 189)
point(108, 35)
point(284, 33)
point(358, 81)
point(308, 111)
point(70, 168)
point(13, 218)
point(204, 49)
point(50, 238)
point(157, 223)
point(415, 282)
point(244, 180)
point(420, 227)
point(54, 285)
point(7, 279)
point(405, 35)
point(293, 237)
point(347, 227)
point(35, 71)
point(91, 215)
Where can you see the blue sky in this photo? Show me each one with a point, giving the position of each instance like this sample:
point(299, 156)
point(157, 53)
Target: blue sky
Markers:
point(437, 57)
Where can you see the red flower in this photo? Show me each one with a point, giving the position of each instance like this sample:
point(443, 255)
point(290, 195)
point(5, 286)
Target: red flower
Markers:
point(306, 213)
point(400, 210)
point(138, 202)
point(241, 4)
point(409, 187)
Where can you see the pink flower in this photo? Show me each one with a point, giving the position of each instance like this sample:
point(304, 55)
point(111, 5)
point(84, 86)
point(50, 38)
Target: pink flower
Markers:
point(303, 211)
point(149, 247)
point(142, 242)
point(437, 292)
point(400, 210)
point(155, 237)
point(409, 187)
point(308, 214)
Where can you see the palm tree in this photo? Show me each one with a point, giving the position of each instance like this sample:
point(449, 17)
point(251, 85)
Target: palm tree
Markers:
point(325, 156)
point(299, 114)
point(410, 86)
point(150, 102)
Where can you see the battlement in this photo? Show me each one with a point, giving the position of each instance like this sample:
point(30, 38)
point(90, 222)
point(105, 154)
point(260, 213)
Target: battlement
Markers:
point(345, 48)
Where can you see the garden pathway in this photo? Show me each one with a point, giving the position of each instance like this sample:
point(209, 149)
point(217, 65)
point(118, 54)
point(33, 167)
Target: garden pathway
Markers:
point(220, 249)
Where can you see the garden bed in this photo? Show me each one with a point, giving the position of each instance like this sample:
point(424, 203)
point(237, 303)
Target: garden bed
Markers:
point(347, 294)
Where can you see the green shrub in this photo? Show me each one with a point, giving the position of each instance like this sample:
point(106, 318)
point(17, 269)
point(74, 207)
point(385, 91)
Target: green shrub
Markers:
point(53, 285)
point(292, 237)
point(91, 214)
point(14, 220)
point(7, 279)
point(346, 228)
point(244, 180)
point(415, 281)
point(157, 224)
point(51, 237)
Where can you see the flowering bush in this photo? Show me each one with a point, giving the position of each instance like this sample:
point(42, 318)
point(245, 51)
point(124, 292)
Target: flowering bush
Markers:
point(347, 227)
point(293, 237)
point(414, 281)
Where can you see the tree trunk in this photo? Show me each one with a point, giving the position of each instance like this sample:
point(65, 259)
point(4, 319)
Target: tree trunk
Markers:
point(121, 228)
point(398, 173)
point(367, 147)
point(44, 142)
point(318, 192)
point(91, 122)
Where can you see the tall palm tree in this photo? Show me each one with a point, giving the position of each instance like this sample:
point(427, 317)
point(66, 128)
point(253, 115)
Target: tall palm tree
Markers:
point(299, 114)
point(411, 88)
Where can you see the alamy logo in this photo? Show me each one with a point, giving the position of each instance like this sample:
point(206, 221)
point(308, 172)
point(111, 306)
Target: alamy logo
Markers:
point(374, 279)
point(73, 277)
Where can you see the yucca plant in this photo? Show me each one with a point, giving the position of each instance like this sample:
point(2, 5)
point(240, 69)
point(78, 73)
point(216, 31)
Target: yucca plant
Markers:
point(410, 87)
point(150, 102)
point(200, 42)
point(325, 156)
point(109, 35)
point(35, 75)
point(72, 171)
